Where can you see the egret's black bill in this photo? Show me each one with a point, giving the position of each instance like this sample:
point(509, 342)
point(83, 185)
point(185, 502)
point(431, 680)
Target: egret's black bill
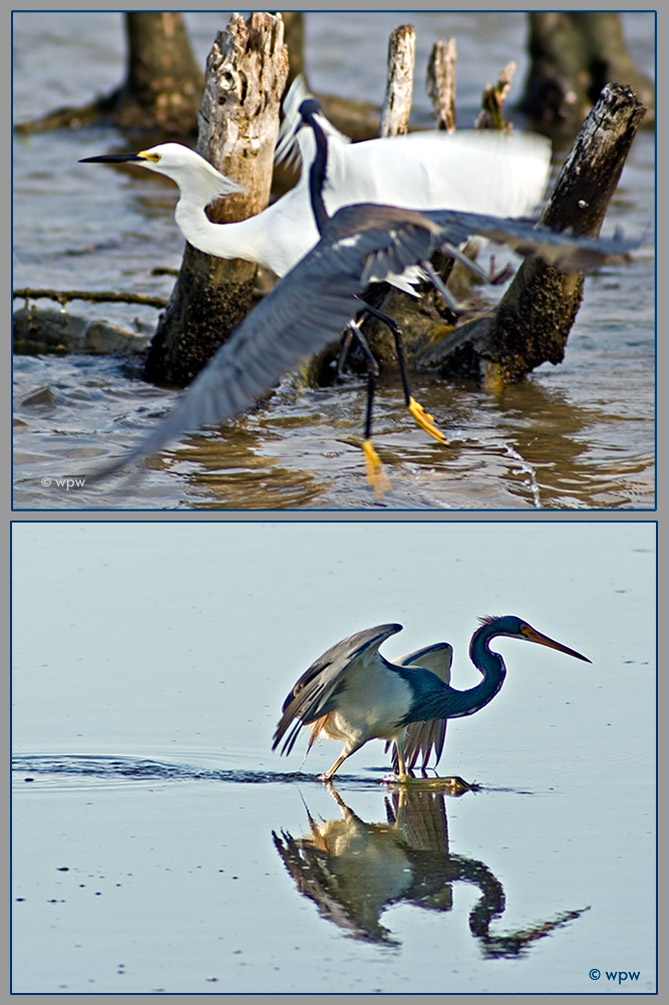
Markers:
point(111, 159)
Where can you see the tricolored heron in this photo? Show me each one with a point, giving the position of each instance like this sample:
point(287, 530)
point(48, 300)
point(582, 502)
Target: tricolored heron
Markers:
point(483, 171)
point(353, 693)
point(318, 297)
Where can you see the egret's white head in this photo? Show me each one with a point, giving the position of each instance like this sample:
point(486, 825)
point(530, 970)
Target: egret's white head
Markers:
point(197, 179)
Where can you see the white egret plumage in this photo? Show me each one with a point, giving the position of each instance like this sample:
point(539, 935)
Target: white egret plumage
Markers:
point(479, 171)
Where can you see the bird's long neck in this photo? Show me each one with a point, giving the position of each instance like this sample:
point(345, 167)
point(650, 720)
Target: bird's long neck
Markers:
point(226, 240)
point(318, 169)
point(435, 700)
point(265, 239)
point(490, 664)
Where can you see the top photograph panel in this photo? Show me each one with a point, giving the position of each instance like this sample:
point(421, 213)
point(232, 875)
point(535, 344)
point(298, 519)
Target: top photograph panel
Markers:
point(334, 261)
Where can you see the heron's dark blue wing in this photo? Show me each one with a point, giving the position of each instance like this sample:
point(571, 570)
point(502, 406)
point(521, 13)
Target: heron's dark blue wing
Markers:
point(424, 738)
point(302, 314)
point(316, 299)
point(314, 693)
point(568, 252)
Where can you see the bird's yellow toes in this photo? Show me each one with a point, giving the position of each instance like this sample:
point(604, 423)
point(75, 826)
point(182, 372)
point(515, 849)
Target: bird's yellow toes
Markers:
point(454, 786)
point(426, 421)
point(375, 474)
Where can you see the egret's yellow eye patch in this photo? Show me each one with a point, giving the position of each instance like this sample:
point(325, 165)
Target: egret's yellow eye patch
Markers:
point(149, 157)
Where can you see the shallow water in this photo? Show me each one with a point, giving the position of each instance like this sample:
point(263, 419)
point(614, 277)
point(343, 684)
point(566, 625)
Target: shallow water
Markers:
point(580, 435)
point(159, 844)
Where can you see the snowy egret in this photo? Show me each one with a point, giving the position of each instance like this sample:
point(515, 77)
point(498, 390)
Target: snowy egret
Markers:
point(352, 693)
point(480, 171)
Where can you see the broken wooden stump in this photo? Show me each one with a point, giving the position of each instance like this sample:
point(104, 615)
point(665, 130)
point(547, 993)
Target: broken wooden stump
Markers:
point(494, 95)
point(574, 54)
point(161, 90)
point(396, 106)
point(532, 322)
point(440, 83)
point(239, 120)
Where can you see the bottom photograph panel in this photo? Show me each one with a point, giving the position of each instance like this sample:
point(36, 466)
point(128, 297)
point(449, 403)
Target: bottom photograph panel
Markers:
point(334, 757)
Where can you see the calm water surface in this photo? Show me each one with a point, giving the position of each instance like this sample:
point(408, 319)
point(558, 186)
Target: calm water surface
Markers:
point(159, 844)
point(575, 436)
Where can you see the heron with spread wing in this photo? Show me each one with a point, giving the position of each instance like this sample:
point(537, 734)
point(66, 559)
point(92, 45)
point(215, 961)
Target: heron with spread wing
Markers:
point(362, 243)
point(354, 694)
point(318, 297)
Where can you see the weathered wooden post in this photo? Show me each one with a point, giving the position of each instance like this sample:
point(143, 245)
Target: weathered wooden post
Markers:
point(440, 83)
point(399, 85)
point(533, 320)
point(239, 120)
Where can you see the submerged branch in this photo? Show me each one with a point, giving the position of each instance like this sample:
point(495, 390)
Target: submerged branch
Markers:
point(92, 296)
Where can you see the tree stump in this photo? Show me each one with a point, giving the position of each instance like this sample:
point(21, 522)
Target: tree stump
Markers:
point(573, 55)
point(533, 320)
point(239, 120)
point(161, 91)
point(293, 26)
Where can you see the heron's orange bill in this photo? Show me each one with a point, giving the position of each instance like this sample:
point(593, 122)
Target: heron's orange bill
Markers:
point(532, 635)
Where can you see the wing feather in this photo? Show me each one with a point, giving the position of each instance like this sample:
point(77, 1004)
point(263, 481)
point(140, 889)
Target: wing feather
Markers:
point(313, 694)
point(424, 738)
point(316, 300)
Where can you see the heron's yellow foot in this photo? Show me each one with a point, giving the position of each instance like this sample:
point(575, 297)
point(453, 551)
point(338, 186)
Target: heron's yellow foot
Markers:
point(454, 785)
point(426, 421)
point(376, 476)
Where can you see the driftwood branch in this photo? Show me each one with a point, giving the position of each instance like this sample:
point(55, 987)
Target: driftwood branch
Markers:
point(92, 296)
point(533, 320)
point(239, 120)
point(47, 330)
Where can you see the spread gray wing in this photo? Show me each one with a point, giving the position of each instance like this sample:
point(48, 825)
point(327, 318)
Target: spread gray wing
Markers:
point(302, 315)
point(565, 251)
point(314, 694)
point(422, 738)
point(316, 300)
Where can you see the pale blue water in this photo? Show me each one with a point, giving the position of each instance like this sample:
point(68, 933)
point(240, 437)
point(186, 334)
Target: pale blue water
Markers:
point(150, 663)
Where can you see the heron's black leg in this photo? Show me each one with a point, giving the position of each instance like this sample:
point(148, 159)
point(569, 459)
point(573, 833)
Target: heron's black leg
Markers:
point(343, 352)
point(371, 388)
point(375, 473)
point(423, 418)
point(492, 278)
